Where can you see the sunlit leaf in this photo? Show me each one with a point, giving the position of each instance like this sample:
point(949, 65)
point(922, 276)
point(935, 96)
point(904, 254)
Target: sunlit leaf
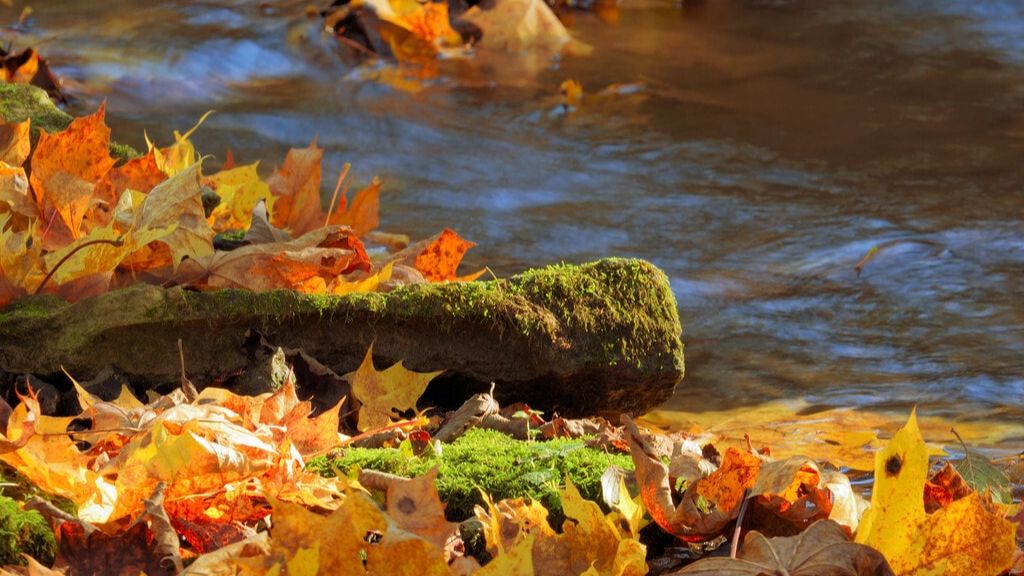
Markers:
point(965, 537)
point(383, 392)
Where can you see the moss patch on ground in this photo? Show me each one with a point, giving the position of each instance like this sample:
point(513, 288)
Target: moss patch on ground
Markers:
point(24, 532)
point(495, 463)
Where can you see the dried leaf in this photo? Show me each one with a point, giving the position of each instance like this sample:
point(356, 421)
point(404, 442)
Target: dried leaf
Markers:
point(308, 264)
point(821, 550)
point(66, 168)
point(296, 189)
point(177, 202)
point(707, 506)
point(589, 543)
point(415, 507)
point(518, 25)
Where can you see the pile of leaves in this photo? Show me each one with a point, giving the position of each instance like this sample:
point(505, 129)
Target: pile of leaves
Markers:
point(214, 482)
point(76, 222)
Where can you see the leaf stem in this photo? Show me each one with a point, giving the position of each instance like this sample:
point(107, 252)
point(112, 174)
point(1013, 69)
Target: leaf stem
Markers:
point(116, 243)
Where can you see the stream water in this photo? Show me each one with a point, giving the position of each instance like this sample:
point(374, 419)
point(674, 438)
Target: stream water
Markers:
point(774, 143)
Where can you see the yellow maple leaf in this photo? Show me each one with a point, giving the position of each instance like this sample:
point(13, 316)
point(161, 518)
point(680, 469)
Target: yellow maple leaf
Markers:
point(381, 392)
point(965, 537)
point(178, 156)
point(240, 189)
point(589, 543)
point(21, 259)
point(630, 510)
point(303, 539)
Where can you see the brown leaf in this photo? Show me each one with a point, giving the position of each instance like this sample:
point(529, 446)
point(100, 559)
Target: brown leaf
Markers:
point(307, 264)
point(97, 553)
point(821, 550)
point(707, 506)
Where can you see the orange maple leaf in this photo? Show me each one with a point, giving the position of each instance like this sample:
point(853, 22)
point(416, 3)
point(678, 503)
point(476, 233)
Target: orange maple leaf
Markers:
point(296, 187)
point(66, 167)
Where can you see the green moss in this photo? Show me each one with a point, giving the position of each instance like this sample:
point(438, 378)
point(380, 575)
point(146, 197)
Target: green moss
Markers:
point(123, 151)
point(604, 297)
point(497, 464)
point(24, 532)
point(21, 101)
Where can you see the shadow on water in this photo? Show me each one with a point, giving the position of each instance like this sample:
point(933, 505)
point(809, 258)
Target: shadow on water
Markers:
point(774, 144)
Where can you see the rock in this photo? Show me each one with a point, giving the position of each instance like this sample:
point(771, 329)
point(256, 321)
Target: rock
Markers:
point(21, 101)
point(595, 339)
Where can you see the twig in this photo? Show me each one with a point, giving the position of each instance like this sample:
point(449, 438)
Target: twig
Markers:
point(187, 387)
point(735, 548)
point(337, 187)
point(116, 243)
point(380, 481)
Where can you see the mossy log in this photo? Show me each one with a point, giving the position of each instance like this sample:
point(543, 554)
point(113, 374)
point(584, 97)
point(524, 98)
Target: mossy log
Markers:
point(595, 339)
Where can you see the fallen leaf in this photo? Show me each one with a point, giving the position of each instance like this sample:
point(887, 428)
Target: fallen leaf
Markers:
point(177, 203)
point(707, 506)
point(296, 189)
point(14, 143)
point(414, 30)
point(438, 257)
point(983, 477)
point(520, 25)
point(240, 189)
point(944, 487)
point(308, 264)
point(362, 214)
point(385, 391)
point(590, 541)
point(415, 507)
point(789, 496)
point(65, 169)
point(357, 538)
point(140, 174)
point(965, 537)
point(180, 155)
point(823, 549)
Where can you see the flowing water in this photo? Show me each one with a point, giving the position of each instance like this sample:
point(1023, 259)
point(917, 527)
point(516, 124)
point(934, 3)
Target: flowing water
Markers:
point(773, 145)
